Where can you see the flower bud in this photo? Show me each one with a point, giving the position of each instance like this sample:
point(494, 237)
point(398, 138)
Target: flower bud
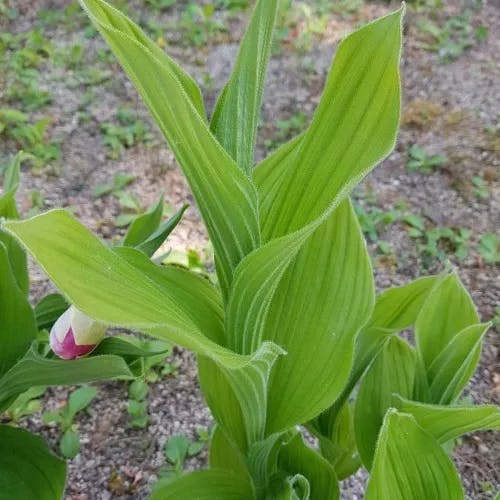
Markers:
point(74, 334)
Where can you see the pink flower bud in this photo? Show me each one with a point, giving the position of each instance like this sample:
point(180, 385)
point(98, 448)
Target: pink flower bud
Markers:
point(75, 335)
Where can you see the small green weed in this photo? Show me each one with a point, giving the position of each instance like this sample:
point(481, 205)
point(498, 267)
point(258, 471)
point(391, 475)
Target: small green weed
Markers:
point(421, 161)
point(137, 407)
point(79, 400)
point(25, 404)
point(489, 248)
point(480, 187)
point(129, 132)
point(199, 24)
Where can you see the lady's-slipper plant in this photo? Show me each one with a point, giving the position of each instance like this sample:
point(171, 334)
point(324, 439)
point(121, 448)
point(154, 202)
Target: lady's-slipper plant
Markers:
point(294, 325)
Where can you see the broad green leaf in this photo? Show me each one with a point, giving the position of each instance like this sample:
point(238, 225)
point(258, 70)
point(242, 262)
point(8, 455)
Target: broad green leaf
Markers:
point(446, 423)
point(69, 445)
point(79, 399)
point(392, 371)
point(397, 308)
point(210, 484)
point(225, 455)
point(226, 197)
point(157, 239)
point(262, 460)
point(28, 470)
point(236, 114)
point(452, 368)
point(144, 225)
point(268, 302)
point(353, 128)
point(447, 310)
point(17, 324)
point(410, 464)
point(339, 447)
point(49, 309)
point(295, 457)
point(18, 261)
point(311, 315)
point(35, 369)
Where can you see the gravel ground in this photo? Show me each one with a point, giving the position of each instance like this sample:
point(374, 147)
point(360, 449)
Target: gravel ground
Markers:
point(446, 109)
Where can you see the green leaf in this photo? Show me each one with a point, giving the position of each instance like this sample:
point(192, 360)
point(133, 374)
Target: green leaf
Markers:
point(308, 316)
point(70, 444)
point(48, 310)
point(295, 457)
point(27, 468)
point(176, 449)
point(395, 309)
point(225, 195)
point(237, 111)
point(353, 128)
point(144, 225)
point(18, 261)
point(447, 310)
point(392, 371)
point(157, 239)
point(210, 484)
point(8, 207)
point(452, 368)
point(34, 370)
point(410, 464)
point(224, 454)
point(339, 447)
point(447, 423)
point(79, 399)
point(17, 327)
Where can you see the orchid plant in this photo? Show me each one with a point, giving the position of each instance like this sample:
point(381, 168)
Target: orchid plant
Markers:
point(293, 334)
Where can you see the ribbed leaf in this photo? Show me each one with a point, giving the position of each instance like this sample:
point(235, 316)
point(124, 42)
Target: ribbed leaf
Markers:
point(446, 423)
point(122, 287)
point(410, 464)
point(395, 309)
point(17, 321)
point(353, 128)
point(28, 470)
point(210, 484)
point(237, 111)
point(295, 457)
point(34, 370)
point(392, 371)
point(48, 310)
point(225, 195)
point(144, 225)
point(225, 455)
point(452, 368)
point(447, 310)
point(324, 298)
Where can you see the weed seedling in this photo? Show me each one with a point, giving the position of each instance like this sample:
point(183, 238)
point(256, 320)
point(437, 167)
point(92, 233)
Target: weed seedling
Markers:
point(422, 161)
point(137, 407)
point(79, 400)
point(489, 248)
point(25, 404)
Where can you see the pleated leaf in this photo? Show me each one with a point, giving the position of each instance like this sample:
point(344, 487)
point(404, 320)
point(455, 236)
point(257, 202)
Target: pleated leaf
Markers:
point(445, 423)
point(447, 310)
point(17, 320)
point(295, 457)
point(395, 309)
point(452, 368)
point(35, 370)
point(237, 111)
point(410, 464)
point(122, 287)
point(225, 195)
point(392, 371)
point(210, 484)
point(28, 470)
point(353, 128)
